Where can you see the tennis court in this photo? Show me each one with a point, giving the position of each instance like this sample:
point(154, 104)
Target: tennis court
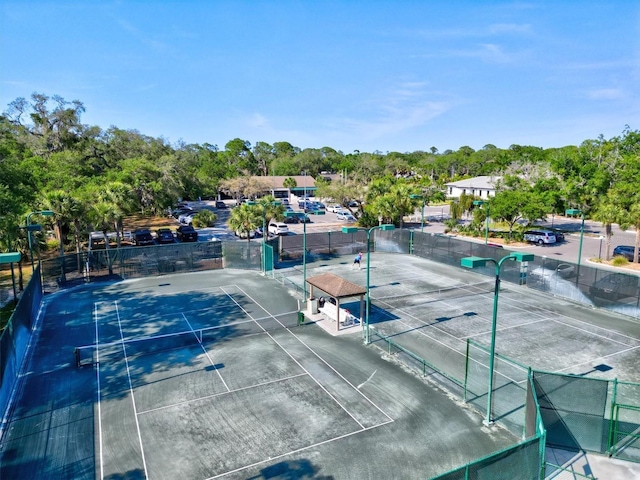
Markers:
point(432, 309)
point(208, 375)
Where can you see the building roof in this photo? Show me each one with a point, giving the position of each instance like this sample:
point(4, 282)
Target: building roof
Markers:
point(484, 182)
point(276, 181)
point(336, 286)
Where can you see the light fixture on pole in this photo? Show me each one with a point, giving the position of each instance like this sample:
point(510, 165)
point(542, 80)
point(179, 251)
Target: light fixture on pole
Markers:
point(422, 197)
point(479, 262)
point(486, 219)
point(34, 228)
point(575, 211)
point(11, 258)
point(384, 226)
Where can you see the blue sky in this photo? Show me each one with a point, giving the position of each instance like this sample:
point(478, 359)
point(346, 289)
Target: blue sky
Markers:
point(352, 75)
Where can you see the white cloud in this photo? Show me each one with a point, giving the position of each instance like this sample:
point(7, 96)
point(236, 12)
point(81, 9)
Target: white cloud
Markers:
point(257, 120)
point(606, 94)
point(500, 28)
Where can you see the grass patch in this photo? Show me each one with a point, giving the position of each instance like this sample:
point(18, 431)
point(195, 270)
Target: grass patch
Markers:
point(619, 261)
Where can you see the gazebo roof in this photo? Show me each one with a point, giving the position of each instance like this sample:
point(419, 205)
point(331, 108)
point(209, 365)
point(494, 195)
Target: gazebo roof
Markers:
point(336, 286)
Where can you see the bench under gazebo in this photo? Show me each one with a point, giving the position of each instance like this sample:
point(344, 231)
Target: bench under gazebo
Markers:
point(337, 288)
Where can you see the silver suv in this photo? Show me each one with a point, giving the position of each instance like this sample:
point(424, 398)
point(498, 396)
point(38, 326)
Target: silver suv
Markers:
point(541, 237)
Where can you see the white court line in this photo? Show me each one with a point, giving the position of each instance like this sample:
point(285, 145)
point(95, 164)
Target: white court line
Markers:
point(599, 358)
point(508, 327)
point(597, 334)
point(296, 361)
point(521, 305)
point(133, 399)
point(95, 319)
point(434, 326)
point(213, 395)
point(321, 359)
point(206, 353)
point(292, 452)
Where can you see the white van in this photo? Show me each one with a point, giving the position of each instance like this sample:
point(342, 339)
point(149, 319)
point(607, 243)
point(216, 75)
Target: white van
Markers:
point(541, 237)
point(278, 228)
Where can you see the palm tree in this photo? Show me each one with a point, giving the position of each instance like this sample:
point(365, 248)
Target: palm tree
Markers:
point(404, 204)
point(245, 219)
point(118, 194)
point(289, 183)
point(103, 214)
point(58, 202)
point(632, 218)
point(273, 210)
point(608, 212)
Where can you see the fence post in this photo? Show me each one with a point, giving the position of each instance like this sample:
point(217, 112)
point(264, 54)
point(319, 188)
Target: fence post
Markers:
point(612, 419)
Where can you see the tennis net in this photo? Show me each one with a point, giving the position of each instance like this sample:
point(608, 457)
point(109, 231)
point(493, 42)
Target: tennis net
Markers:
point(92, 354)
point(428, 296)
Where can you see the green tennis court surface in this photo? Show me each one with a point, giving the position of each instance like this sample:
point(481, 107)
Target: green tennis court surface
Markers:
point(207, 375)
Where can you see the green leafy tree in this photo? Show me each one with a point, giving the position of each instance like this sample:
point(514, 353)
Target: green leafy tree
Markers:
point(245, 219)
point(607, 211)
point(509, 206)
point(204, 218)
point(103, 214)
point(289, 183)
point(273, 210)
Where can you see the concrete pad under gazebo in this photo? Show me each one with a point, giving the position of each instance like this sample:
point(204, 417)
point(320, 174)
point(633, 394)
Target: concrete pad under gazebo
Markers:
point(338, 288)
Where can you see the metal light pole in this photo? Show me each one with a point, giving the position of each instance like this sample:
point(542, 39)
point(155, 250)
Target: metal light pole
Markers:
point(478, 262)
point(385, 226)
point(600, 248)
point(29, 228)
point(575, 211)
point(304, 260)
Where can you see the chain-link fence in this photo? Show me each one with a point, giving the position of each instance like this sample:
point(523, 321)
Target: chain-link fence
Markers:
point(133, 262)
point(523, 461)
point(15, 338)
point(587, 284)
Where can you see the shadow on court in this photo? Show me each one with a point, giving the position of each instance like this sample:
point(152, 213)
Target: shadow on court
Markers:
point(194, 376)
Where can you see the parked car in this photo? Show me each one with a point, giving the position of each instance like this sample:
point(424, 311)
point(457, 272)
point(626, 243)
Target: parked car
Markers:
point(188, 219)
point(278, 228)
point(186, 233)
point(541, 237)
point(180, 211)
point(243, 234)
point(164, 235)
point(291, 219)
point(615, 286)
point(346, 217)
point(221, 204)
point(303, 217)
point(565, 270)
point(559, 235)
point(625, 251)
point(334, 208)
point(142, 237)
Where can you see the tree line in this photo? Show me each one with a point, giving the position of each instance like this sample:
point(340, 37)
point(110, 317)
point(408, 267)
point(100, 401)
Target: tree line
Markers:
point(93, 178)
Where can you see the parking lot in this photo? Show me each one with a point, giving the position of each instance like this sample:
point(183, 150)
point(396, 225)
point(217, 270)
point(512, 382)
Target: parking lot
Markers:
point(432, 221)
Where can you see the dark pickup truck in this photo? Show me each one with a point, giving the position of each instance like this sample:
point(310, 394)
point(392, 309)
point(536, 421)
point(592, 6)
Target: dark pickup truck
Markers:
point(143, 237)
point(186, 233)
